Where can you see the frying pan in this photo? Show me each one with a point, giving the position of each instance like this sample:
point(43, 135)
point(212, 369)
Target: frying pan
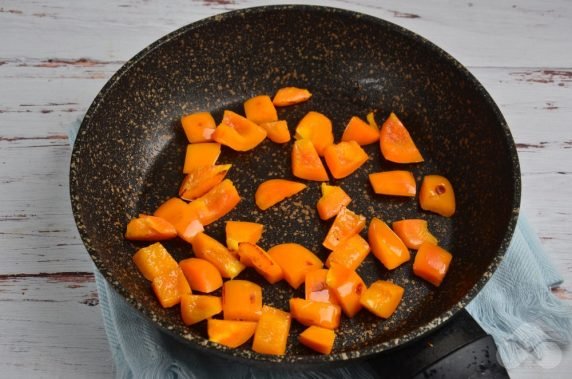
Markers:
point(129, 152)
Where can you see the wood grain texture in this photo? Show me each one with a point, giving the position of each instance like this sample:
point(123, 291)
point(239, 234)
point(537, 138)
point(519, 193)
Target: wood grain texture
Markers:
point(54, 58)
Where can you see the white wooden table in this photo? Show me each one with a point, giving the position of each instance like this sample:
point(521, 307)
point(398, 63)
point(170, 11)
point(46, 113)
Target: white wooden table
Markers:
point(54, 58)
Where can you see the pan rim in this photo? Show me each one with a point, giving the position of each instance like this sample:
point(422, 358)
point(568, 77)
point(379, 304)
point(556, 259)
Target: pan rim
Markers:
point(248, 356)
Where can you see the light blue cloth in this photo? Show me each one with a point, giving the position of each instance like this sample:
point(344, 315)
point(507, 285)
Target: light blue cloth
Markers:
point(516, 307)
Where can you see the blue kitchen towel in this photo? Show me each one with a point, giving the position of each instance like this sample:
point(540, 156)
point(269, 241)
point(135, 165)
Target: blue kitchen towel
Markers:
point(516, 307)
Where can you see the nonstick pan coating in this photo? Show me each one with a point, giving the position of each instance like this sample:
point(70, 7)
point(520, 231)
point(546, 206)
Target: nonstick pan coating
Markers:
point(130, 148)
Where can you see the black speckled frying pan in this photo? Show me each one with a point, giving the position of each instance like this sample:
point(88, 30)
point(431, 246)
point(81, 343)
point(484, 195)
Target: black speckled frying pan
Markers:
point(129, 153)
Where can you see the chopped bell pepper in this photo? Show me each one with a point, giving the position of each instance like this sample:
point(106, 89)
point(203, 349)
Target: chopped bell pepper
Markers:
point(150, 228)
point(316, 288)
point(386, 245)
point(208, 248)
point(317, 128)
point(242, 231)
point(200, 155)
point(382, 298)
point(360, 131)
point(318, 339)
point(154, 260)
point(170, 287)
point(306, 163)
point(260, 109)
point(296, 261)
point(238, 133)
point(310, 312)
point(396, 143)
point(202, 275)
point(196, 308)
point(413, 232)
point(216, 203)
point(272, 331)
point(241, 300)
point(347, 286)
point(350, 253)
point(290, 96)
point(332, 200)
point(346, 224)
point(344, 158)
point(437, 195)
point(274, 191)
point(254, 256)
point(432, 263)
point(229, 332)
point(396, 183)
point(198, 127)
point(201, 180)
point(277, 131)
point(182, 216)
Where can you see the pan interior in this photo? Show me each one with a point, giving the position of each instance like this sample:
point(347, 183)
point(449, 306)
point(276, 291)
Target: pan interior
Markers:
point(129, 154)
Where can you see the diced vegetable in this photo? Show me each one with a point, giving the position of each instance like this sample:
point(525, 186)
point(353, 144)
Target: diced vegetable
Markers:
point(318, 339)
point(371, 120)
point(432, 263)
point(242, 231)
point(182, 216)
point(382, 298)
point(260, 109)
point(208, 248)
point(346, 224)
point(296, 261)
point(196, 308)
point(238, 132)
point(290, 96)
point(272, 331)
point(316, 288)
point(216, 203)
point(202, 275)
point(395, 183)
point(201, 180)
point(274, 191)
point(200, 155)
point(386, 245)
point(198, 127)
point(317, 128)
point(229, 332)
point(396, 143)
point(437, 195)
point(350, 253)
point(413, 232)
point(154, 260)
point(344, 158)
point(310, 312)
point(347, 286)
point(170, 287)
point(277, 131)
point(306, 163)
point(360, 131)
point(150, 228)
point(332, 200)
point(254, 256)
point(241, 300)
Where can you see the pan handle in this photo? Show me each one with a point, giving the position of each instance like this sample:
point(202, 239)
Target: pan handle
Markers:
point(461, 348)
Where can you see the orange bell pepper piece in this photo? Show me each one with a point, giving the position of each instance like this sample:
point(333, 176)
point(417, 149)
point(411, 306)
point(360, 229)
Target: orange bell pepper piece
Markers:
point(230, 333)
point(274, 191)
point(437, 195)
point(317, 128)
point(396, 183)
point(272, 331)
point(260, 109)
point(413, 232)
point(318, 339)
point(306, 163)
point(170, 287)
point(371, 121)
point(202, 275)
point(350, 253)
point(242, 231)
point(316, 288)
point(196, 308)
point(347, 286)
point(277, 131)
point(382, 298)
point(432, 263)
point(290, 96)
point(360, 131)
point(396, 143)
point(238, 133)
point(386, 245)
point(344, 158)
point(254, 256)
point(208, 248)
point(200, 155)
point(332, 200)
point(154, 260)
point(241, 300)
point(150, 228)
point(183, 217)
point(309, 312)
point(296, 261)
point(201, 180)
point(216, 203)
point(198, 127)
point(346, 224)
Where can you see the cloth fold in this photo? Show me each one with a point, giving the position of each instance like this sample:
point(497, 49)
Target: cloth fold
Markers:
point(516, 307)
